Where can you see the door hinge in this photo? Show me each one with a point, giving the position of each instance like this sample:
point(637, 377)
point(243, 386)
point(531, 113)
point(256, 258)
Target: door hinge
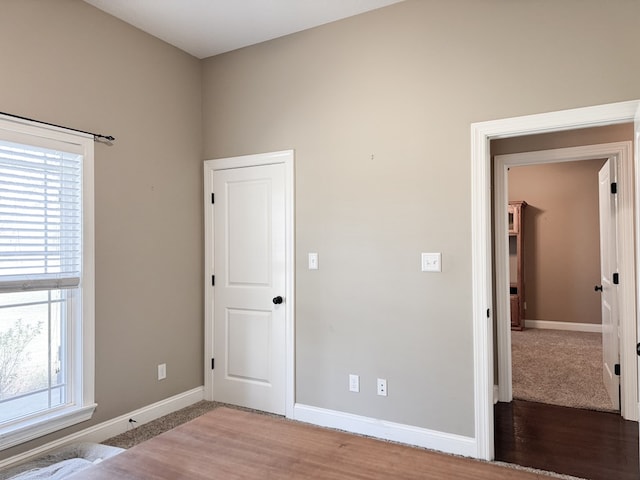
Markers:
point(488, 313)
point(616, 279)
point(213, 198)
point(213, 362)
point(213, 280)
point(616, 369)
point(614, 188)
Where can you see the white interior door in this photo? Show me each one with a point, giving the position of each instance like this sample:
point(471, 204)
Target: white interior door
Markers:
point(637, 219)
point(249, 299)
point(609, 291)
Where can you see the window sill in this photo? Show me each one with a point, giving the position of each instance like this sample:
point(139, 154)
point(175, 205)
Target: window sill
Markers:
point(44, 424)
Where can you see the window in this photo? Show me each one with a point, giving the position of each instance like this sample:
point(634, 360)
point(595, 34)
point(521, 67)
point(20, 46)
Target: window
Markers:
point(46, 280)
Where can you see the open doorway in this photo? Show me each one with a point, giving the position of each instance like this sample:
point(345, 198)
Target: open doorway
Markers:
point(560, 188)
point(587, 145)
point(483, 300)
point(557, 351)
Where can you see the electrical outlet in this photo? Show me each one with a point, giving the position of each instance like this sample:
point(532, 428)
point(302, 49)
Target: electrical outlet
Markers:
point(354, 383)
point(382, 387)
point(162, 371)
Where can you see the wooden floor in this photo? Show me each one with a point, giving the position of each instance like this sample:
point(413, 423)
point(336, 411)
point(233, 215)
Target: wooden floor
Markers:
point(231, 444)
point(583, 443)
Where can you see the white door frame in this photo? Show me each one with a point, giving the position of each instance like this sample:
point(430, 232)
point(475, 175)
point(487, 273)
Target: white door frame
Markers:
point(285, 157)
point(482, 291)
point(622, 152)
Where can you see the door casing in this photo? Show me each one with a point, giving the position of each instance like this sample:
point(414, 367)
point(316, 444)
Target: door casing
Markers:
point(623, 153)
point(482, 290)
point(285, 157)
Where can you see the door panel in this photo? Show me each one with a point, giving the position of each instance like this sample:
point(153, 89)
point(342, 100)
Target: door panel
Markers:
point(609, 293)
point(249, 330)
point(248, 236)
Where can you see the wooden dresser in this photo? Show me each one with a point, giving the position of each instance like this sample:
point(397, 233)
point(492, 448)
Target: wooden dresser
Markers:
point(516, 263)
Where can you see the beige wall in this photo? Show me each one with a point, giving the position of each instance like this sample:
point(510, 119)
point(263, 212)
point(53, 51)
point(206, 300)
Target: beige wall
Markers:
point(403, 84)
point(68, 63)
point(562, 256)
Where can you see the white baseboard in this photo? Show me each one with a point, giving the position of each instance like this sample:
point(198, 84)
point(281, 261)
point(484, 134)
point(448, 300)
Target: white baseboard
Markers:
point(421, 437)
point(115, 426)
point(576, 327)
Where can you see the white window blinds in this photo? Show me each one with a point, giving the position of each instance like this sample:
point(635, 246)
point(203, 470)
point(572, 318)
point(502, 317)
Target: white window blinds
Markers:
point(40, 218)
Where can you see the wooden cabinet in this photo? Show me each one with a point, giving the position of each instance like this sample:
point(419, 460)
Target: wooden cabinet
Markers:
point(516, 263)
point(515, 313)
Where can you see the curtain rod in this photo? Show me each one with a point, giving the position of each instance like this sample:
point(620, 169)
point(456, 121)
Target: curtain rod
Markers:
point(96, 136)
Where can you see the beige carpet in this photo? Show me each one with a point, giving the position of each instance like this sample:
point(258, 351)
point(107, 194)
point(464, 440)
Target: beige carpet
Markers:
point(156, 427)
point(559, 367)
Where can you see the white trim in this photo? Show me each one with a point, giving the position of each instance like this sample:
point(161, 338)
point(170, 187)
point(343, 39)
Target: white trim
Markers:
point(285, 157)
point(115, 426)
point(482, 308)
point(621, 152)
point(482, 291)
point(46, 424)
point(397, 432)
point(574, 327)
point(290, 268)
point(495, 394)
point(271, 158)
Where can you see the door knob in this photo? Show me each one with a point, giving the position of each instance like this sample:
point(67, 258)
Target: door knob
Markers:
point(277, 300)
point(598, 287)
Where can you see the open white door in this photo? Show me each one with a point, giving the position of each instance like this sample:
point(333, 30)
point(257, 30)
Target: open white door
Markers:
point(636, 159)
point(608, 287)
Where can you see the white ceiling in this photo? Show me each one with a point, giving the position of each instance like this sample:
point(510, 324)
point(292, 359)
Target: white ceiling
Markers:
point(205, 28)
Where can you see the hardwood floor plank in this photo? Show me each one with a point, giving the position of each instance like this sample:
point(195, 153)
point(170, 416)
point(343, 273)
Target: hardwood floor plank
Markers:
point(232, 444)
point(584, 443)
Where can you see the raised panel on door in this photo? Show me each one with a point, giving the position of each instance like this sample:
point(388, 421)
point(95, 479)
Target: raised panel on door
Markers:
point(248, 231)
point(248, 331)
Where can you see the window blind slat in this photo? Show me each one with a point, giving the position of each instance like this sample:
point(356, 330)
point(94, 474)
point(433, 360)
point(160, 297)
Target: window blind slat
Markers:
point(40, 218)
point(26, 283)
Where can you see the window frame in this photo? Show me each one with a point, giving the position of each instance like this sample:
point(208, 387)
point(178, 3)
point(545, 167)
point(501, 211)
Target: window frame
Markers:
point(81, 338)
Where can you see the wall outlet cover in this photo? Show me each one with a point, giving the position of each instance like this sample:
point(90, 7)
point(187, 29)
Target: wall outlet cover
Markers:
point(382, 387)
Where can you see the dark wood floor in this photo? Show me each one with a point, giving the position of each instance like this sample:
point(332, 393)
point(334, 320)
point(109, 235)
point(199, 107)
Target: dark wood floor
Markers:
point(583, 443)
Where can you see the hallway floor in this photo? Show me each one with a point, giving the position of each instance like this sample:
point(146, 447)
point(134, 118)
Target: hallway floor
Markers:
point(583, 443)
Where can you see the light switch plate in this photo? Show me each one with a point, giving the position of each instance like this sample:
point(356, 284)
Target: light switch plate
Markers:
point(354, 383)
point(432, 262)
point(313, 261)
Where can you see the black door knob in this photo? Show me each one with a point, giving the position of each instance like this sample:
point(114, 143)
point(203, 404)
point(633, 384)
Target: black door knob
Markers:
point(638, 349)
point(277, 300)
point(598, 287)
